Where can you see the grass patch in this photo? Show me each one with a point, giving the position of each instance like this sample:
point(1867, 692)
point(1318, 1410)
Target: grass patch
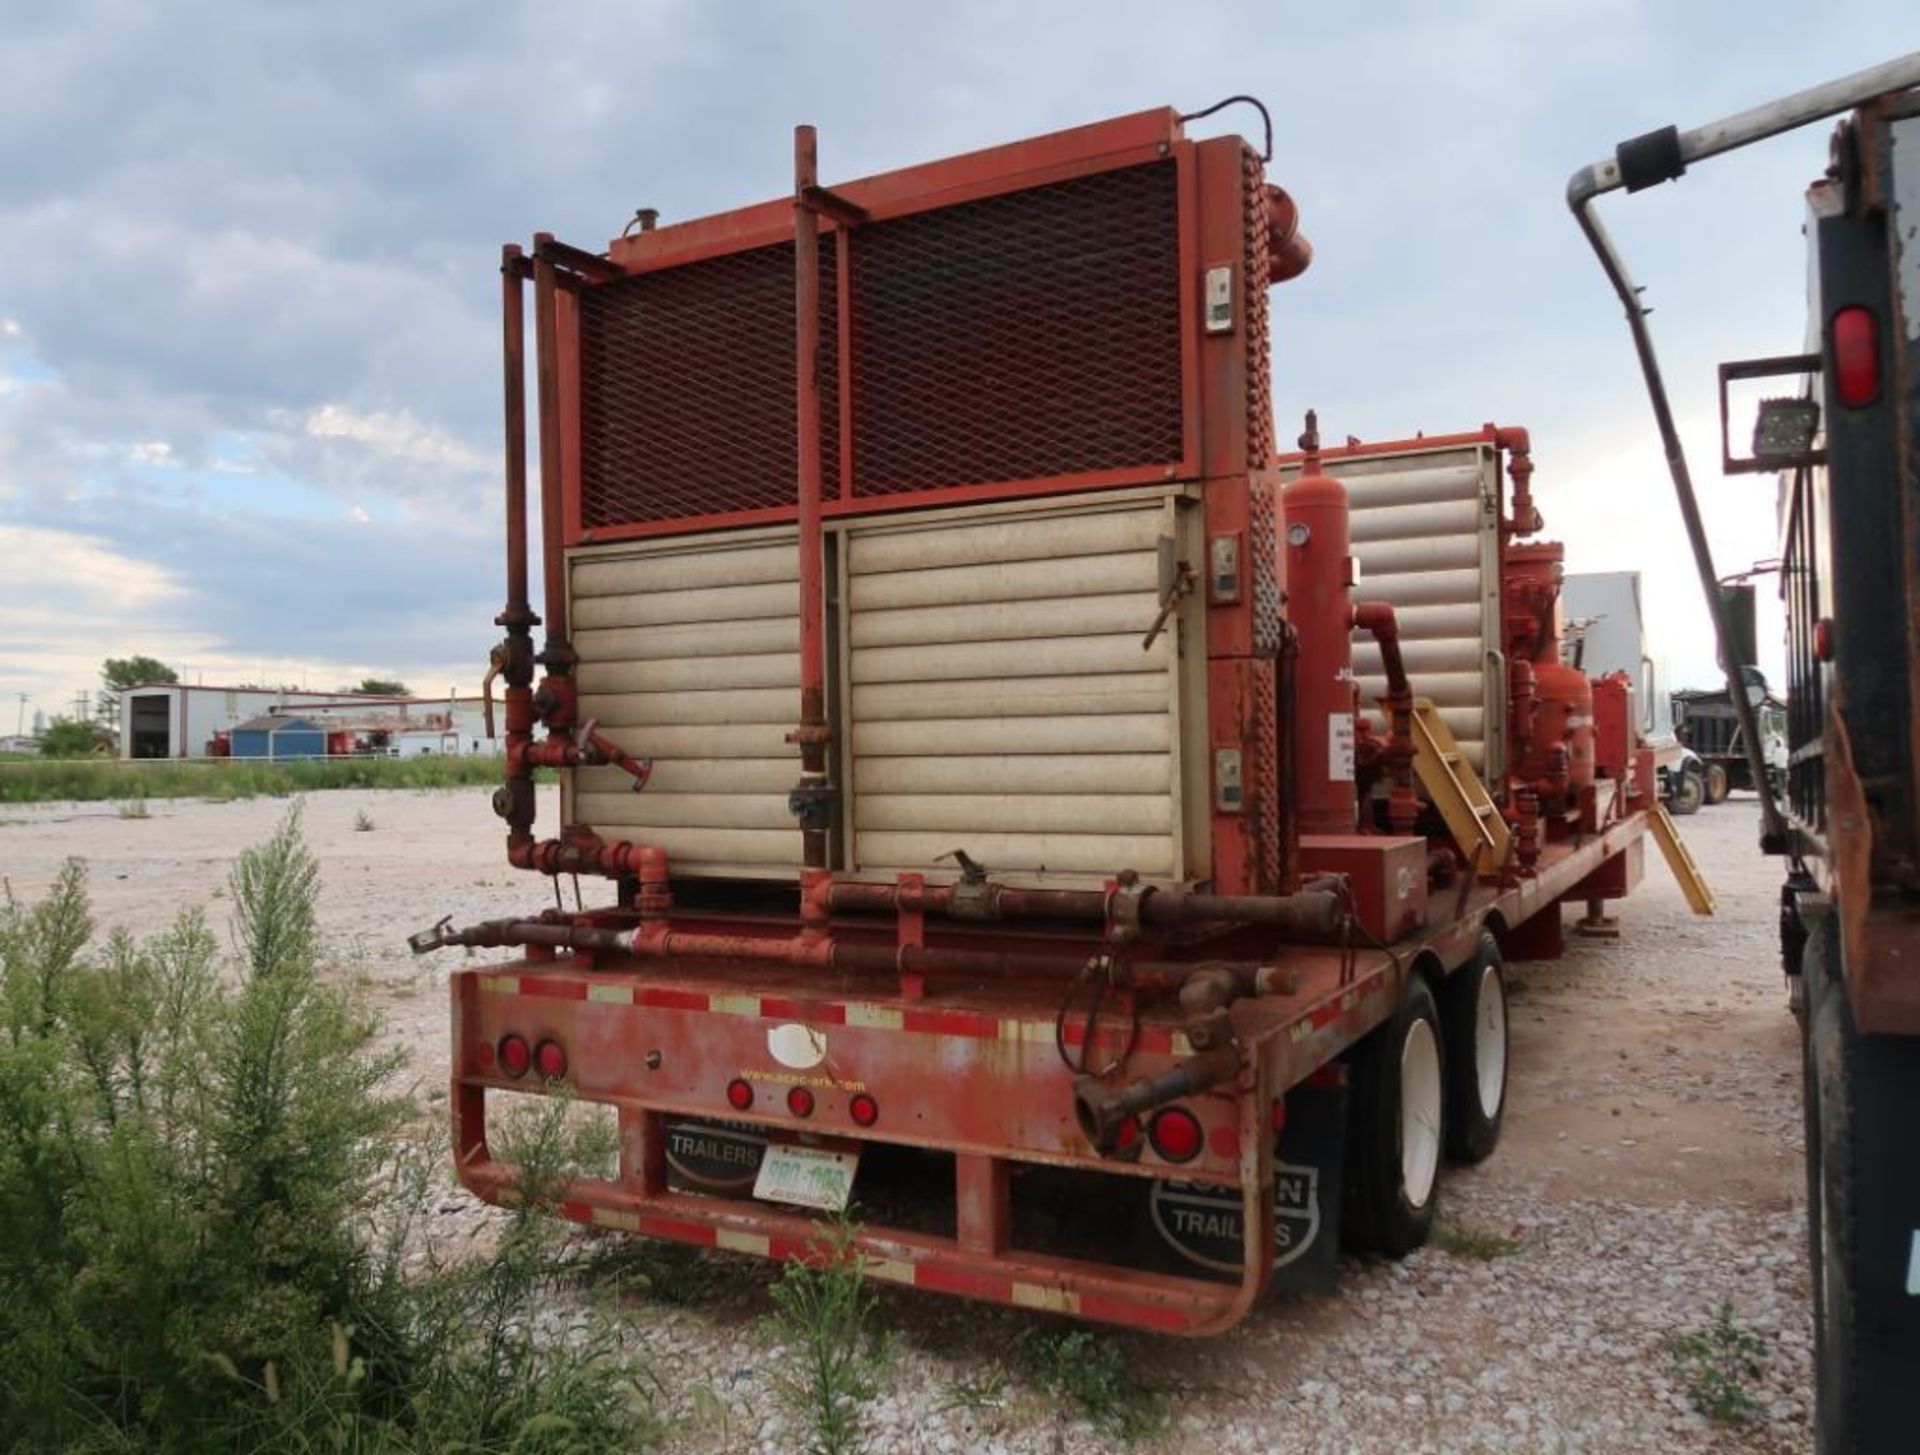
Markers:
point(1716, 1365)
point(823, 1311)
point(210, 1245)
point(363, 822)
point(94, 780)
point(134, 808)
point(1482, 1245)
point(1089, 1372)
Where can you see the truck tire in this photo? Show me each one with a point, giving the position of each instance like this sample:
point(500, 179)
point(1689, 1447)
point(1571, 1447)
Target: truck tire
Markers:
point(1863, 1218)
point(1474, 1010)
point(1718, 786)
point(1397, 1128)
point(1688, 793)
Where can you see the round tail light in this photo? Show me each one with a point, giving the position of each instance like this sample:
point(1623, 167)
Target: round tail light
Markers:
point(1175, 1134)
point(1126, 1138)
point(515, 1055)
point(739, 1094)
point(863, 1109)
point(800, 1101)
point(550, 1060)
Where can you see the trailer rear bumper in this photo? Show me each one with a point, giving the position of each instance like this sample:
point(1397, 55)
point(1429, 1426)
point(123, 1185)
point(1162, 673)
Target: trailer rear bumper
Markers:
point(979, 1074)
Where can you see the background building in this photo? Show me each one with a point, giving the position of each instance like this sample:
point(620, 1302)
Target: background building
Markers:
point(188, 720)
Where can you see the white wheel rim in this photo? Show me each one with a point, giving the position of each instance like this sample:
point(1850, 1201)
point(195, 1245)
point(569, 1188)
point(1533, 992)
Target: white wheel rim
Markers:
point(1490, 1041)
point(1419, 1112)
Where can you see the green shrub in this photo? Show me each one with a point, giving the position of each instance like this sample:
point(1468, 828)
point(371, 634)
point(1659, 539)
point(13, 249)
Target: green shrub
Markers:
point(87, 780)
point(1716, 1365)
point(204, 1247)
point(1089, 1371)
point(823, 1309)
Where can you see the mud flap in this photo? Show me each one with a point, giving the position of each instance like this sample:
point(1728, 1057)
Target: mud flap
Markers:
point(1198, 1226)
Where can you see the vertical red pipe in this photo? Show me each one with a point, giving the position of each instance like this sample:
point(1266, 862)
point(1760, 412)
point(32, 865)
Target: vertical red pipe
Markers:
point(547, 348)
point(1319, 605)
point(810, 799)
point(514, 340)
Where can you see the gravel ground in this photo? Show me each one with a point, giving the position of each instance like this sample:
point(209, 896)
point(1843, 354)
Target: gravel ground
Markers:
point(1649, 1175)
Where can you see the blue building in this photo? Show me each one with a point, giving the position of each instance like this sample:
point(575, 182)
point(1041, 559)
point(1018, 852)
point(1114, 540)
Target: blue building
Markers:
point(279, 738)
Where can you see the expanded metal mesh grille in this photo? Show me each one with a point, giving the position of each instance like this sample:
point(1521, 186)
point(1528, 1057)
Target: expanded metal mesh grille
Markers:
point(1259, 368)
point(1021, 336)
point(687, 388)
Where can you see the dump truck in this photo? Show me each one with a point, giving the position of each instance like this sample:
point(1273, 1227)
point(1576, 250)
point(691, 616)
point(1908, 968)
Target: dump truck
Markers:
point(1840, 432)
point(1607, 634)
point(1044, 817)
point(1704, 718)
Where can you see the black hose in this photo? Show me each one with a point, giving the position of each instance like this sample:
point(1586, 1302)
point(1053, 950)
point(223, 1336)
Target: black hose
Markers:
point(1266, 118)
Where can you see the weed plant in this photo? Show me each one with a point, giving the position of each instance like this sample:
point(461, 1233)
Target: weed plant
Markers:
point(208, 1232)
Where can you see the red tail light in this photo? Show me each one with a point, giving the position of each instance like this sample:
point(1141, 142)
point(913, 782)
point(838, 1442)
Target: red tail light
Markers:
point(515, 1055)
point(800, 1101)
point(1126, 1140)
point(1856, 357)
point(550, 1060)
point(863, 1109)
point(1175, 1134)
point(739, 1094)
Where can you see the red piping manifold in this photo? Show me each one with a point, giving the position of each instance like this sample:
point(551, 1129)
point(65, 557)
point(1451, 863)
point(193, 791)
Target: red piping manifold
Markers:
point(1523, 516)
point(1403, 805)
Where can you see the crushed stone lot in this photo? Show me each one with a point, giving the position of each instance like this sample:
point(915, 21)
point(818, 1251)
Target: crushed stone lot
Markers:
point(1649, 1178)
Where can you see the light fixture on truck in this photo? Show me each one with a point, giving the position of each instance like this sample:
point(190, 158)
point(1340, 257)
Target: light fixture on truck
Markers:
point(1856, 356)
point(863, 1109)
point(800, 1101)
point(514, 1055)
point(739, 1094)
point(550, 1059)
point(1175, 1134)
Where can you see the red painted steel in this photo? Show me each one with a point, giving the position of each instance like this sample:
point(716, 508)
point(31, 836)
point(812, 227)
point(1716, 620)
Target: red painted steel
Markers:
point(1082, 312)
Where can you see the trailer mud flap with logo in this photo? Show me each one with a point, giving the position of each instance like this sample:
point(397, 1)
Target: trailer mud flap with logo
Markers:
point(721, 1159)
point(1200, 1224)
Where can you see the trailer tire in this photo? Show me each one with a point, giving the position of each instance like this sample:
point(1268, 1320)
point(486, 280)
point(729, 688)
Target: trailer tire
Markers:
point(1718, 786)
point(1689, 792)
point(1474, 1009)
point(1863, 1217)
point(1397, 1128)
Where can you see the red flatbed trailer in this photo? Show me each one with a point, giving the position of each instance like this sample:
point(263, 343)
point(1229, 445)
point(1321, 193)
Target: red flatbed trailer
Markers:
point(1007, 569)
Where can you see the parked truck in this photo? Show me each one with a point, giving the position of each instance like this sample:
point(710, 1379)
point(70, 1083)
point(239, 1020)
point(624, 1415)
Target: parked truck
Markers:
point(1705, 719)
point(1043, 815)
point(1842, 434)
point(1607, 634)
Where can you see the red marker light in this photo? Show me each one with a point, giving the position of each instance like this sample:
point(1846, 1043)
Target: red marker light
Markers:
point(550, 1060)
point(800, 1101)
point(863, 1109)
point(1856, 357)
point(1175, 1134)
point(739, 1094)
point(1126, 1138)
point(515, 1056)
point(1823, 640)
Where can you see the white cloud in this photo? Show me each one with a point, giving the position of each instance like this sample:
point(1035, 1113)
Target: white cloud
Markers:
point(395, 433)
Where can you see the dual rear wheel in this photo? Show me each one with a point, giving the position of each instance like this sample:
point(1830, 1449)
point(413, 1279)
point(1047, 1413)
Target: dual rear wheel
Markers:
point(1430, 1082)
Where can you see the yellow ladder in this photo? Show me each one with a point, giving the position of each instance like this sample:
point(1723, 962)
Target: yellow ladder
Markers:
point(1465, 806)
point(1685, 872)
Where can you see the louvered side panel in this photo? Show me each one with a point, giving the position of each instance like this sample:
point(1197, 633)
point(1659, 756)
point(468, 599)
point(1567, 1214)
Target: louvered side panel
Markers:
point(1000, 700)
point(689, 654)
point(1424, 527)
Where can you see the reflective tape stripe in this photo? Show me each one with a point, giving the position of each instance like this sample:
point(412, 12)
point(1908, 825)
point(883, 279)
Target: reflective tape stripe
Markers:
point(737, 1242)
point(1051, 1300)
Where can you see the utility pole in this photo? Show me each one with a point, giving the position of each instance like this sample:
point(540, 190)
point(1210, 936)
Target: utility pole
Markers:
point(20, 722)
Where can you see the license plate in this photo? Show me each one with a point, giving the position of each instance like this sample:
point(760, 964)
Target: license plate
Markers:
point(807, 1176)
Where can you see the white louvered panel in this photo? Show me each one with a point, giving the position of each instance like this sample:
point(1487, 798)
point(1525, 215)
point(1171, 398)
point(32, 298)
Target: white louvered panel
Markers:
point(689, 654)
point(1001, 701)
point(1424, 526)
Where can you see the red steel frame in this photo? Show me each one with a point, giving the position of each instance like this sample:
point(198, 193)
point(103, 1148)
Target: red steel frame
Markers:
point(1146, 136)
point(659, 1014)
point(970, 1070)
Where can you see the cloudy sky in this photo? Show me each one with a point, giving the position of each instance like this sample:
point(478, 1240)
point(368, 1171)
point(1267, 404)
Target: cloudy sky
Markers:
point(248, 309)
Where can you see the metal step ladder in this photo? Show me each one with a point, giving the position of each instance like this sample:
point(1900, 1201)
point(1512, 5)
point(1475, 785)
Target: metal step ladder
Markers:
point(1685, 872)
point(1465, 806)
